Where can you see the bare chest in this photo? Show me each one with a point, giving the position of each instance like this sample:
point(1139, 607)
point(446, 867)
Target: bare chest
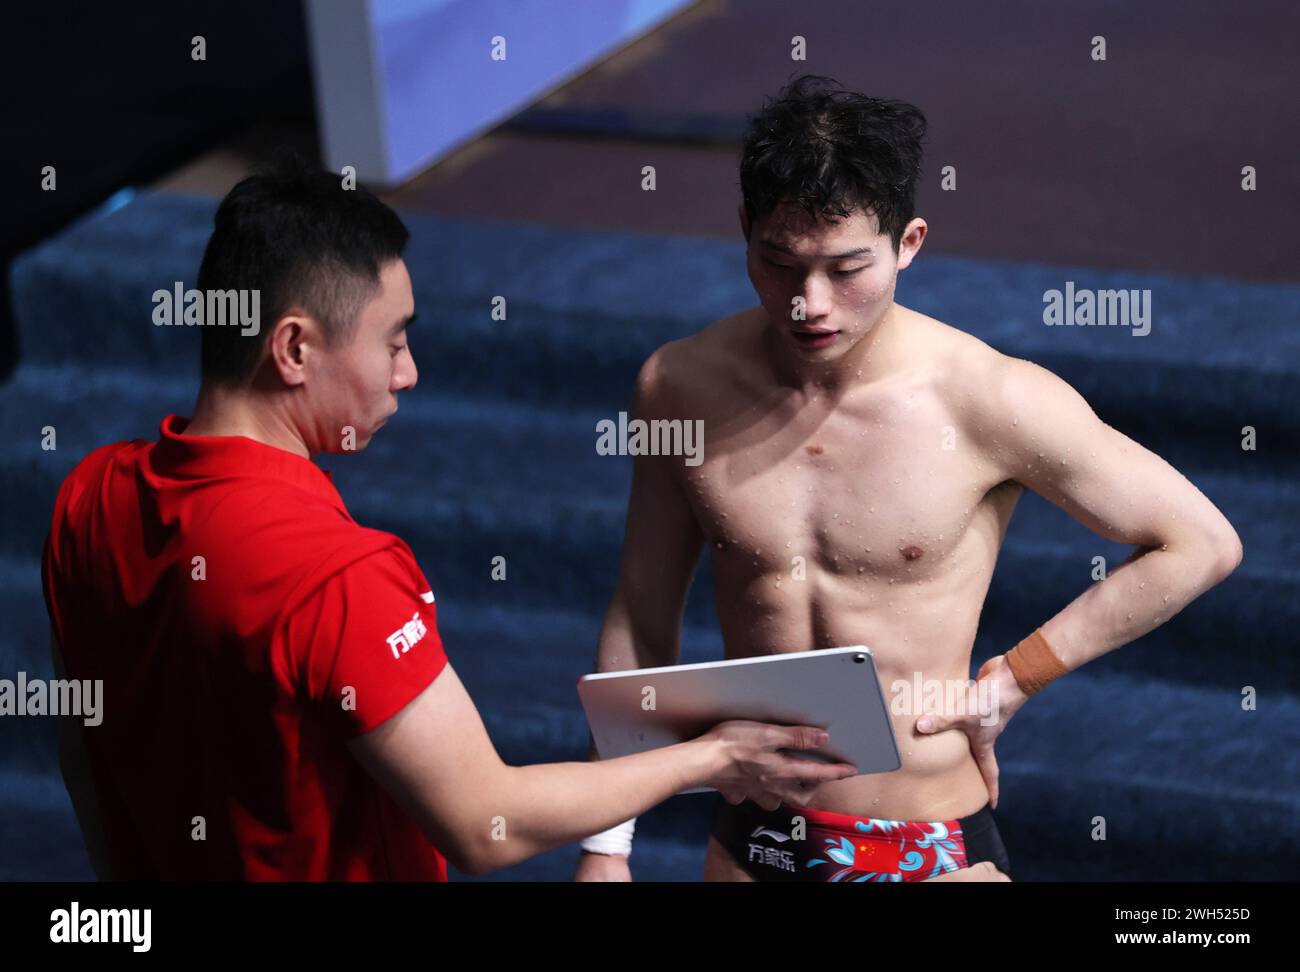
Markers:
point(882, 490)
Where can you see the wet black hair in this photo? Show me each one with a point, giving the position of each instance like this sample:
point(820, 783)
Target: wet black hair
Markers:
point(294, 233)
point(833, 151)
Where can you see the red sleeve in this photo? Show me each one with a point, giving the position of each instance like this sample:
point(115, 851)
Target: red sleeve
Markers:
point(367, 643)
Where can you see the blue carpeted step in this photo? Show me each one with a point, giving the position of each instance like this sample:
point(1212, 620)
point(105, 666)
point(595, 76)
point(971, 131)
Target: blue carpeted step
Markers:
point(39, 837)
point(1150, 733)
point(584, 309)
point(1131, 750)
point(433, 477)
point(1146, 754)
point(1204, 825)
point(37, 816)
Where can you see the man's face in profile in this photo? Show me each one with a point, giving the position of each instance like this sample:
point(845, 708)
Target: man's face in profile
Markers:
point(839, 274)
point(356, 384)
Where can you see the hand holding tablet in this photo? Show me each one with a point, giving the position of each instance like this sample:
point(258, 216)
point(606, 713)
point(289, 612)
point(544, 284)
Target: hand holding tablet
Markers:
point(836, 689)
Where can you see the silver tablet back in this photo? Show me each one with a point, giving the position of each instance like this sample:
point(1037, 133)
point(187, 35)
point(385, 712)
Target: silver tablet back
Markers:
point(836, 688)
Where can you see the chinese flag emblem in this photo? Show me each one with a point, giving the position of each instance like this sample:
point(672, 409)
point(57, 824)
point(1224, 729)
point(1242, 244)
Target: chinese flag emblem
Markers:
point(876, 855)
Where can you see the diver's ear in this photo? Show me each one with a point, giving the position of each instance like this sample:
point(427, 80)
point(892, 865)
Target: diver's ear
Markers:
point(910, 244)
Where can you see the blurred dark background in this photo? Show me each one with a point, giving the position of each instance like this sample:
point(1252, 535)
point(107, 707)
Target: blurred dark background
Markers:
point(1125, 173)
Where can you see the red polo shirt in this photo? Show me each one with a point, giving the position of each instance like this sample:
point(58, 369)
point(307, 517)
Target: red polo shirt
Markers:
point(244, 626)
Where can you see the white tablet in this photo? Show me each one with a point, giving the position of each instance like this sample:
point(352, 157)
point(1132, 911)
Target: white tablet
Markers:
point(835, 688)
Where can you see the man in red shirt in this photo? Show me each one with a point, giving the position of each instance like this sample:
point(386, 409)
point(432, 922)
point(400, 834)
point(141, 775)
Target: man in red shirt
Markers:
point(279, 704)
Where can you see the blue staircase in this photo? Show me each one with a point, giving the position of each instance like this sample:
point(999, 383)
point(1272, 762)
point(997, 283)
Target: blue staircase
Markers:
point(494, 454)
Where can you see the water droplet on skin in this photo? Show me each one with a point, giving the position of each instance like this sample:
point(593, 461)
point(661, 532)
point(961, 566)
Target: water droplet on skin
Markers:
point(1130, 617)
point(1142, 585)
point(1015, 421)
point(861, 569)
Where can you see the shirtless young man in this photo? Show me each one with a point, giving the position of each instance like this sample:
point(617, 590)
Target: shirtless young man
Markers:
point(861, 464)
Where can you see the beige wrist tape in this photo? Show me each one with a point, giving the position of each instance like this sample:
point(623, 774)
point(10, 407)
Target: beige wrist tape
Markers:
point(1034, 664)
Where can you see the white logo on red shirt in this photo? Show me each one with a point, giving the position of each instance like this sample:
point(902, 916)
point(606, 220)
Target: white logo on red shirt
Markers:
point(407, 636)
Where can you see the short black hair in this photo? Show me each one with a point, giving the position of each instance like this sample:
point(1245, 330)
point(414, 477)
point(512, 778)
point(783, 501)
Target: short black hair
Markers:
point(833, 151)
point(294, 233)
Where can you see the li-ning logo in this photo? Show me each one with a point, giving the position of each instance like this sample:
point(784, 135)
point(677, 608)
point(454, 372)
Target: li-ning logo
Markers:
point(407, 636)
point(782, 860)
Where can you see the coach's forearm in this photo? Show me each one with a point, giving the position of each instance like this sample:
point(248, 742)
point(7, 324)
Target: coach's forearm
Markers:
point(1141, 594)
point(552, 804)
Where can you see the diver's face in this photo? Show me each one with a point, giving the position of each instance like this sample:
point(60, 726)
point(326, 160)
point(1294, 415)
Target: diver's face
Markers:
point(825, 283)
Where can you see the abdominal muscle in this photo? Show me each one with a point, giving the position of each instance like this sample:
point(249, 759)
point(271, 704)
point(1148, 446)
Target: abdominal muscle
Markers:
point(913, 628)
